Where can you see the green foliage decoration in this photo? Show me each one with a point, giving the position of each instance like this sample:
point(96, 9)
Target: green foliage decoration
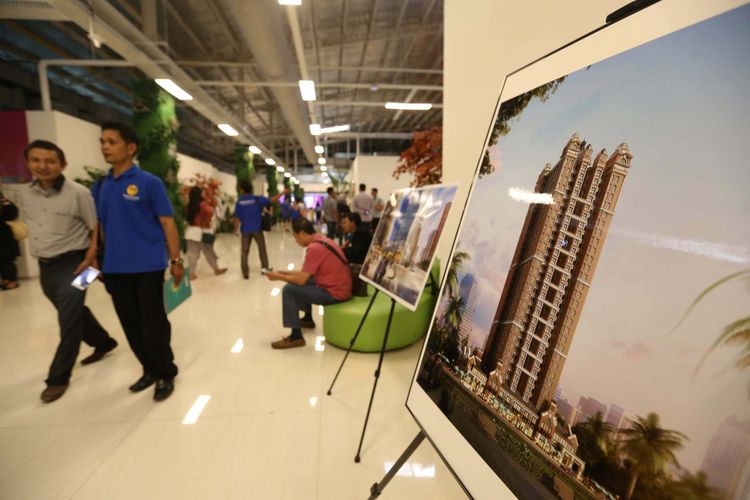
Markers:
point(299, 192)
point(243, 166)
point(93, 174)
point(156, 126)
point(272, 178)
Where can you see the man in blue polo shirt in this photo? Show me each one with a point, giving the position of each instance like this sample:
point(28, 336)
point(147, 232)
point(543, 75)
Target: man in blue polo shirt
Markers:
point(248, 215)
point(135, 218)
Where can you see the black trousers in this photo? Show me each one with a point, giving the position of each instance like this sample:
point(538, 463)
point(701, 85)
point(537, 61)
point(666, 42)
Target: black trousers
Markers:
point(139, 303)
point(8, 270)
point(75, 319)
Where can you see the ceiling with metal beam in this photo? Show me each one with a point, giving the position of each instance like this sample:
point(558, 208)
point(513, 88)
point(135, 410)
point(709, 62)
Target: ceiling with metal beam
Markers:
point(242, 60)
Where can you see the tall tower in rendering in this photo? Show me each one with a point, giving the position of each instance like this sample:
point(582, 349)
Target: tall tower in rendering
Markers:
point(552, 270)
point(468, 292)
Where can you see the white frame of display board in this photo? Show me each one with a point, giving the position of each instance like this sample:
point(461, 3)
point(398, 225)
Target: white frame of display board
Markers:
point(378, 286)
point(661, 19)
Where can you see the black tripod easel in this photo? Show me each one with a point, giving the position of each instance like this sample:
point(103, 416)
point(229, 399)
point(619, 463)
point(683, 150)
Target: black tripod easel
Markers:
point(377, 370)
point(434, 286)
point(377, 488)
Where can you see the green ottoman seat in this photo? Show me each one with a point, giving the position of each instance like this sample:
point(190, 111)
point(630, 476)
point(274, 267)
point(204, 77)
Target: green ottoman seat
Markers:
point(340, 321)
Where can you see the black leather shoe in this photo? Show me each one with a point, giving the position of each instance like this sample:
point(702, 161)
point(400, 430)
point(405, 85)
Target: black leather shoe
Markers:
point(98, 354)
point(163, 389)
point(143, 383)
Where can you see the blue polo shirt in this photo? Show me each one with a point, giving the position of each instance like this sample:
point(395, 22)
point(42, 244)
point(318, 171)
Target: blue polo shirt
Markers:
point(249, 209)
point(129, 208)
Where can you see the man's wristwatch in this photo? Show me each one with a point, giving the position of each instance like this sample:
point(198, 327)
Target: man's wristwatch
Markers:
point(175, 262)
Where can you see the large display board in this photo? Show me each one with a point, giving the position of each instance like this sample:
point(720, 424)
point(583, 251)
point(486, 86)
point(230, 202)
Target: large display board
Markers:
point(404, 244)
point(611, 195)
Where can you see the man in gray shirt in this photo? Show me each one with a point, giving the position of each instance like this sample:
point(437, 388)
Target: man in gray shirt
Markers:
point(330, 213)
point(62, 219)
point(363, 205)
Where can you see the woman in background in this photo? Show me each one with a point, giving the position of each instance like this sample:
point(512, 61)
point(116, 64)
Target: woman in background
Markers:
point(199, 218)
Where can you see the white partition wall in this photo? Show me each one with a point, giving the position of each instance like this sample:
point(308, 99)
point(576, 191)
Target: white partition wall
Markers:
point(377, 171)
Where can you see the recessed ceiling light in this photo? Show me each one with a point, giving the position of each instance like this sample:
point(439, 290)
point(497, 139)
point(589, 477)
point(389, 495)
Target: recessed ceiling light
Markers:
point(228, 129)
point(290, 2)
point(320, 150)
point(315, 129)
point(323, 168)
point(334, 129)
point(321, 161)
point(254, 150)
point(279, 168)
point(173, 89)
point(307, 89)
point(270, 161)
point(287, 174)
point(412, 106)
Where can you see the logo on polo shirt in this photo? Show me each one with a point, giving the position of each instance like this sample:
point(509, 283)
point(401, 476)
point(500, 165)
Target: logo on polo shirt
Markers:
point(131, 193)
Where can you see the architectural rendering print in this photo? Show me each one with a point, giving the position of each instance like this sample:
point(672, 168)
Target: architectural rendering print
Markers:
point(405, 241)
point(591, 335)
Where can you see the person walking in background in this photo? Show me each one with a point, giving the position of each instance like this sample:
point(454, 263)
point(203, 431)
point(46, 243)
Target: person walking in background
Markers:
point(199, 234)
point(330, 213)
point(9, 250)
point(248, 217)
point(135, 216)
point(362, 204)
point(377, 208)
point(286, 212)
point(324, 279)
point(62, 222)
point(318, 213)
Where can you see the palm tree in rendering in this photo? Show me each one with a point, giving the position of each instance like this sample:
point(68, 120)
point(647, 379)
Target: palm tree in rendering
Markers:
point(694, 487)
point(649, 447)
point(736, 333)
point(457, 263)
point(453, 316)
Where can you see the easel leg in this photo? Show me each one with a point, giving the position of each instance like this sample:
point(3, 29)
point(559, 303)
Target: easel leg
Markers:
point(377, 376)
point(377, 488)
point(353, 340)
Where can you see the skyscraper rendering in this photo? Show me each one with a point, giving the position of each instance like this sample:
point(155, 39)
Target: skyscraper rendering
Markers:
point(615, 416)
point(727, 460)
point(551, 272)
point(468, 292)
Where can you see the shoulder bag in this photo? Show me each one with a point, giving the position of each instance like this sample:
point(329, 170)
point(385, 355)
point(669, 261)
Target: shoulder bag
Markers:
point(359, 287)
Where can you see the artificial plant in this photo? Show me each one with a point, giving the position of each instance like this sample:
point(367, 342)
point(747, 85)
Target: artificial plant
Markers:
point(423, 159)
point(156, 126)
point(243, 166)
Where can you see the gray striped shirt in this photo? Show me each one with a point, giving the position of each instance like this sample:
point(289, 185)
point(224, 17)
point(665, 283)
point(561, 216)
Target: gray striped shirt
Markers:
point(60, 220)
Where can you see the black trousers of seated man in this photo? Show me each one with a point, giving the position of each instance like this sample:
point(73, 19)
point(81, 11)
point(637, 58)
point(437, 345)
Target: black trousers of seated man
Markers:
point(139, 302)
point(76, 321)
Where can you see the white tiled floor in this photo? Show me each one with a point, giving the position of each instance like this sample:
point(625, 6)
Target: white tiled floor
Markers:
point(269, 430)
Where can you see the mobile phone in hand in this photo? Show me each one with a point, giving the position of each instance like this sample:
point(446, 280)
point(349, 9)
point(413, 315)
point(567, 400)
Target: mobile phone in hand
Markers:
point(85, 278)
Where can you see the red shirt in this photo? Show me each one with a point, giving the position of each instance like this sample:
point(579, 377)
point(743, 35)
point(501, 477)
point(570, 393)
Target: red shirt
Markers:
point(204, 216)
point(329, 272)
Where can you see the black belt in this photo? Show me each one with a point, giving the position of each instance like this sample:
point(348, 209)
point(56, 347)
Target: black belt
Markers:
point(59, 258)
